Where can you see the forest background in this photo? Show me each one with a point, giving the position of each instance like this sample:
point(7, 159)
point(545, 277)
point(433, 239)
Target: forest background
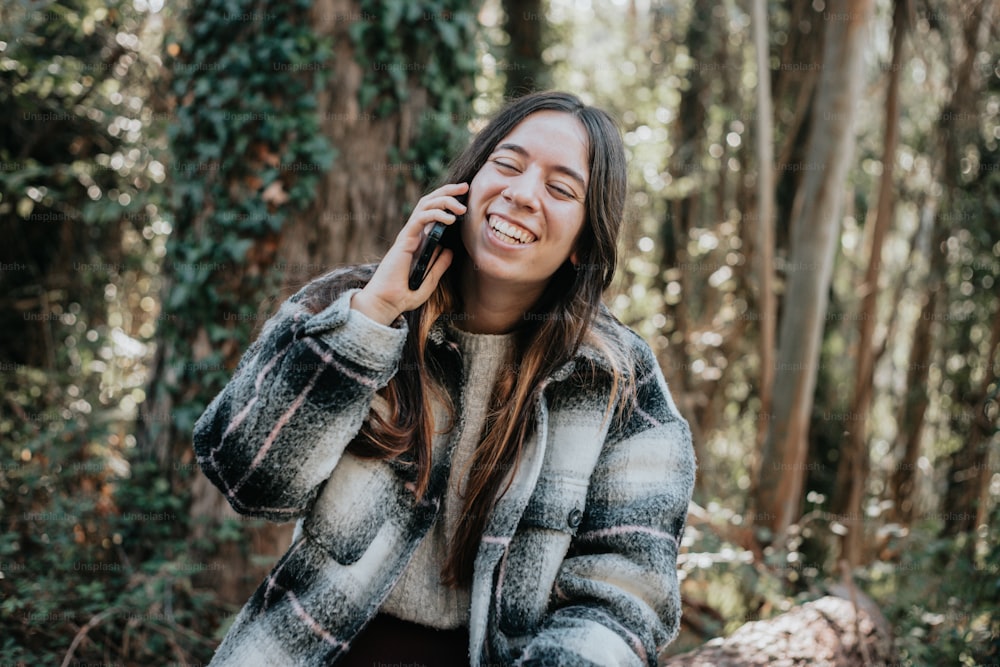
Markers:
point(812, 250)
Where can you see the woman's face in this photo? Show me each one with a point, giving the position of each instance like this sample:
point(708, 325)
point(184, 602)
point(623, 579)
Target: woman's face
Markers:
point(527, 203)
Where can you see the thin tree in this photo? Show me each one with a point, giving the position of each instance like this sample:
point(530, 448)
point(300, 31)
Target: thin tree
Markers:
point(852, 473)
point(815, 221)
point(764, 251)
point(684, 212)
point(913, 408)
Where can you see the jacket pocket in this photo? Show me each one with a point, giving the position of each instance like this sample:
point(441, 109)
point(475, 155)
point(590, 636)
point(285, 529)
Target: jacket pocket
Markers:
point(557, 503)
point(537, 550)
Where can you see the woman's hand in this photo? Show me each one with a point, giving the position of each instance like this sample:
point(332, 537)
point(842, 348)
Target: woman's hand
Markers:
point(388, 294)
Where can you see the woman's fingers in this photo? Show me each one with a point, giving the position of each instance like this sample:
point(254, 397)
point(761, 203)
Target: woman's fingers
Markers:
point(446, 203)
point(445, 209)
point(450, 189)
point(423, 218)
point(436, 206)
point(445, 197)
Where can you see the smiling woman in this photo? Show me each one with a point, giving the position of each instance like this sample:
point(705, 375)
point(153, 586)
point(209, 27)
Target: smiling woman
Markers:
point(488, 469)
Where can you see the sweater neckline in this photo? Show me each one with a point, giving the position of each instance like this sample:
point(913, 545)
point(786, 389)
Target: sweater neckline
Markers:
point(473, 343)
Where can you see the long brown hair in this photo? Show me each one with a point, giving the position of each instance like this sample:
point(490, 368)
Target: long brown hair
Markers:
point(565, 317)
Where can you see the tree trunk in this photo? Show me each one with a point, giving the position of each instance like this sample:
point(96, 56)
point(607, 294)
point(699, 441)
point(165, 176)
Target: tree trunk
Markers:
point(792, 89)
point(764, 246)
point(830, 631)
point(361, 204)
point(815, 222)
point(355, 210)
point(525, 27)
point(913, 408)
point(855, 465)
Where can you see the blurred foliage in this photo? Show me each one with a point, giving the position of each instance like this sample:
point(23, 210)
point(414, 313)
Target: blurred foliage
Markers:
point(244, 140)
point(92, 554)
point(95, 567)
point(95, 546)
point(939, 598)
point(78, 164)
point(701, 315)
point(437, 36)
point(941, 601)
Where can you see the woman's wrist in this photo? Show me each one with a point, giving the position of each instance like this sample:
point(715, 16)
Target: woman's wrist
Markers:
point(374, 308)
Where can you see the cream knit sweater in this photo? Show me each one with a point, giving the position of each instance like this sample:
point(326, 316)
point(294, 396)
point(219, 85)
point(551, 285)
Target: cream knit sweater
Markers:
point(419, 596)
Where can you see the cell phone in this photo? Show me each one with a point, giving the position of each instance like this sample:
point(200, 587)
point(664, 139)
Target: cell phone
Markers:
point(440, 236)
point(424, 258)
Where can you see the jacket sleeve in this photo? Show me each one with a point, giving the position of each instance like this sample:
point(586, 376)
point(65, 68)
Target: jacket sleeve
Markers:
point(616, 600)
point(299, 395)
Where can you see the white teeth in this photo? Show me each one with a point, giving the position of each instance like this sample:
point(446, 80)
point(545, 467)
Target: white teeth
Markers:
point(510, 231)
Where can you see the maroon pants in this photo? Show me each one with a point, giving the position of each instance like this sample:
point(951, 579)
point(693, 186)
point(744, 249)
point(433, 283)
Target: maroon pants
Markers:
point(390, 642)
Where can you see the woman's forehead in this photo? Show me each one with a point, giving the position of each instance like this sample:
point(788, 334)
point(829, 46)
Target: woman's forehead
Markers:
point(551, 136)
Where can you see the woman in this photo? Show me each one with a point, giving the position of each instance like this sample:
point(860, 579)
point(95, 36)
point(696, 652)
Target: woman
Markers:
point(487, 470)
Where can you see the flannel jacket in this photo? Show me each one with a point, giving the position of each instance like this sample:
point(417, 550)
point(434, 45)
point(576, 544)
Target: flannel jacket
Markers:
point(577, 565)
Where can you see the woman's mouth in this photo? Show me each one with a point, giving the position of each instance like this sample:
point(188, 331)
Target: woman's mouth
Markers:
point(508, 232)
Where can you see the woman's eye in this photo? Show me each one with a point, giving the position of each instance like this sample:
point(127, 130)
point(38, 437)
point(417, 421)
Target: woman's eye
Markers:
point(505, 165)
point(563, 192)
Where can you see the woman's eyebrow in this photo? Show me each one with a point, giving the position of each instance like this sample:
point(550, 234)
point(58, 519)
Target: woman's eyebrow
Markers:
point(521, 150)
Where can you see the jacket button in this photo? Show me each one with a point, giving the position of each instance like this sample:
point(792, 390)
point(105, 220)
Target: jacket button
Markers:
point(574, 518)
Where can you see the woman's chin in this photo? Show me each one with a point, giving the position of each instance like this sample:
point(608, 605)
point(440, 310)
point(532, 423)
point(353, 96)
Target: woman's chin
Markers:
point(495, 272)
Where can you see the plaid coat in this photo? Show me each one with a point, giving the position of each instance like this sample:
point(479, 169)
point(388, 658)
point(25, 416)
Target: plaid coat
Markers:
point(577, 565)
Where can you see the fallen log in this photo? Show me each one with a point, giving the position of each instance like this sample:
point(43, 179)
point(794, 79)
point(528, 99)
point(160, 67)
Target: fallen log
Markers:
point(827, 632)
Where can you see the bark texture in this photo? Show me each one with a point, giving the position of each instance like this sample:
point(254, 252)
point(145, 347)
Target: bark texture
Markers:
point(362, 201)
point(829, 632)
point(525, 27)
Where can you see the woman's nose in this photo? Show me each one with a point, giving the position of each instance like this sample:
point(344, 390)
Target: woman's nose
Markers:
point(522, 190)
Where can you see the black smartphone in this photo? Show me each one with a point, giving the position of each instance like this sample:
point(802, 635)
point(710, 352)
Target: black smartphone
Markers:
point(440, 236)
point(424, 258)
